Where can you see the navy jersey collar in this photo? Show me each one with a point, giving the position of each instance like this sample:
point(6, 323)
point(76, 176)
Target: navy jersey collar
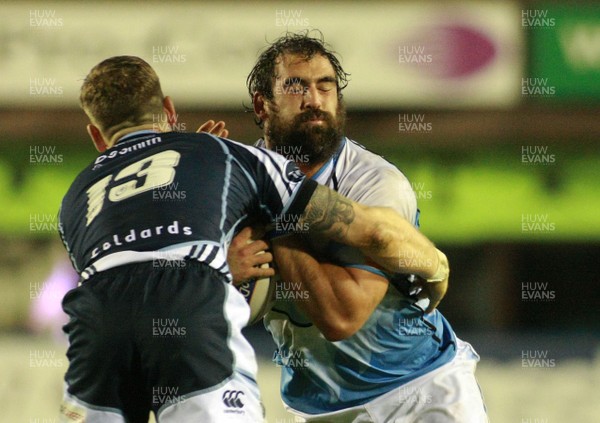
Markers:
point(135, 134)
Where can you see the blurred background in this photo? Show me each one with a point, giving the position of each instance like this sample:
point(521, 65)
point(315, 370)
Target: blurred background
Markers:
point(491, 109)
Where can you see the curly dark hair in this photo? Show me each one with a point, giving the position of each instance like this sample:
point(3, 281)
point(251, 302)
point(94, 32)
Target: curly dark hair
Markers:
point(262, 77)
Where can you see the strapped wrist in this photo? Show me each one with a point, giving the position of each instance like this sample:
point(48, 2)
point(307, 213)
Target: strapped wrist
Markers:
point(443, 269)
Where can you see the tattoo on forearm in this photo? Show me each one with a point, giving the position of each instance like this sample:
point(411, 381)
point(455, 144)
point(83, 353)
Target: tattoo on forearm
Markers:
point(328, 211)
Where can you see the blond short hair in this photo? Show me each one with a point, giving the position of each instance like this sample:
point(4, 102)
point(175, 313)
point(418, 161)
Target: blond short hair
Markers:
point(121, 92)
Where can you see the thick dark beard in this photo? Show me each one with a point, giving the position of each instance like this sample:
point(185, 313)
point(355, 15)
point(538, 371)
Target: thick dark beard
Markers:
point(310, 145)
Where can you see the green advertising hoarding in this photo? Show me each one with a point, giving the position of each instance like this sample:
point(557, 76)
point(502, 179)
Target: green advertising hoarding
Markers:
point(564, 51)
point(523, 194)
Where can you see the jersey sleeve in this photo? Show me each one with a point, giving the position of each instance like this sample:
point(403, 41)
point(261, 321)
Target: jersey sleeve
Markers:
point(282, 188)
point(387, 188)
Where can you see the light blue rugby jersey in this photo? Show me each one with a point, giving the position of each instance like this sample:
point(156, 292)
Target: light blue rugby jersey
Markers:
point(397, 344)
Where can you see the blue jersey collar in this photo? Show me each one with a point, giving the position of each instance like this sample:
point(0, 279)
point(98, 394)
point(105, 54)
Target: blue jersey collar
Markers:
point(333, 161)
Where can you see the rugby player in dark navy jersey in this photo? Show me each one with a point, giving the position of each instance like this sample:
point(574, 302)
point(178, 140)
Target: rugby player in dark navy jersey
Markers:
point(155, 324)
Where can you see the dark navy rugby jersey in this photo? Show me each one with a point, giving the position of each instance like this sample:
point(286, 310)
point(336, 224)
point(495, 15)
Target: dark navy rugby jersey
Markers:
point(174, 196)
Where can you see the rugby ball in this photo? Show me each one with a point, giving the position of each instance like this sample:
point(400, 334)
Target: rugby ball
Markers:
point(260, 296)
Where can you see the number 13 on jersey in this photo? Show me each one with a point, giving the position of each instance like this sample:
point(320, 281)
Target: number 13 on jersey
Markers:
point(158, 170)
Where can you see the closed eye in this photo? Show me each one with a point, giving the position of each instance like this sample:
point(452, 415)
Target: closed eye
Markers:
point(326, 84)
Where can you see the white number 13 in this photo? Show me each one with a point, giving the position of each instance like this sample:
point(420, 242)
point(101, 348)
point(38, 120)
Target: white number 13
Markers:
point(159, 172)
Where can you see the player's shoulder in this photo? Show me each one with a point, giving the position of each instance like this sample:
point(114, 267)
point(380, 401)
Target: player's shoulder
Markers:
point(266, 161)
point(370, 179)
point(198, 139)
point(227, 146)
point(358, 155)
point(242, 148)
point(356, 160)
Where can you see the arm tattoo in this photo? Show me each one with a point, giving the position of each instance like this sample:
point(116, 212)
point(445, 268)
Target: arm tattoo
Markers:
point(329, 212)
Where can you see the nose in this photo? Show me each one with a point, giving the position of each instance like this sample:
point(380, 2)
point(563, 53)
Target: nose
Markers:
point(312, 98)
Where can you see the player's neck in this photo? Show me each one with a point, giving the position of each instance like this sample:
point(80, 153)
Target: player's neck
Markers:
point(309, 169)
point(146, 127)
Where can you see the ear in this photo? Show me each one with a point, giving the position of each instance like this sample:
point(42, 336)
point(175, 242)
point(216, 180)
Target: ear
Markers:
point(169, 108)
point(261, 107)
point(97, 138)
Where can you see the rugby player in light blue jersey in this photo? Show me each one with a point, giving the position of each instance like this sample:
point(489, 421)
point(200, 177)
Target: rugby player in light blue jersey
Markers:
point(354, 343)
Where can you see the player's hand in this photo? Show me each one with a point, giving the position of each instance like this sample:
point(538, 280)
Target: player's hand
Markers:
point(213, 128)
point(434, 291)
point(246, 254)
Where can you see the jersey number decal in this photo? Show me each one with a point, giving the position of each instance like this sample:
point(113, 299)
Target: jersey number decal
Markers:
point(154, 171)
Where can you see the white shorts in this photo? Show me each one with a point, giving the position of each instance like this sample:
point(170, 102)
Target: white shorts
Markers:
point(235, 401)
point(449, 394)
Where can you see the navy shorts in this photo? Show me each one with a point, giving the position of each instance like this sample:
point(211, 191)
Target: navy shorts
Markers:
point(154, 338)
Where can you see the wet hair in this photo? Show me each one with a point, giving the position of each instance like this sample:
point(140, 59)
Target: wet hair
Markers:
point(262, 77)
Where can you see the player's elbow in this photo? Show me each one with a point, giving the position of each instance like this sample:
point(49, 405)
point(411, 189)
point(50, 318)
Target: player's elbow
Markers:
point(339, 328)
